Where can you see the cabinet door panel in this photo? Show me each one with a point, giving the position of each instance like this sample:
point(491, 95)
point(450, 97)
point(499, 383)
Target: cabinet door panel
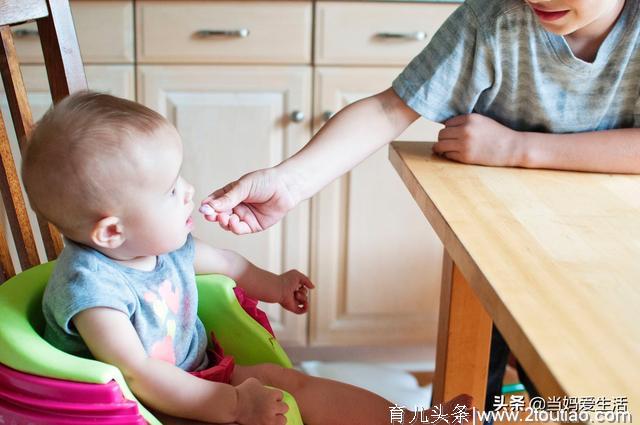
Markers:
point(104, 29)
point(375, 258)
point(234, 120)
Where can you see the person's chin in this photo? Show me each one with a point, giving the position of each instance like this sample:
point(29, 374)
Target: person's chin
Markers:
point(559, 29)
point(176, 244)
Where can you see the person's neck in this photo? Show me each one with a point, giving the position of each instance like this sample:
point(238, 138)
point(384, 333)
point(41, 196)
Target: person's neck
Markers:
point(145, 263)
point(586, 41)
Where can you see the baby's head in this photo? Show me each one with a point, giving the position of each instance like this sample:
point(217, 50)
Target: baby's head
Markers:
point(106, 172)
point(565, 17)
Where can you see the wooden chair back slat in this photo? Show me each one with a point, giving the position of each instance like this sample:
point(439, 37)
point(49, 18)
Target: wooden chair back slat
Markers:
point(12, 12)
point(14, 87)
point(22, 123)
point(66, 75)
point(61, 51)
point(6, 264)
point(14, 204)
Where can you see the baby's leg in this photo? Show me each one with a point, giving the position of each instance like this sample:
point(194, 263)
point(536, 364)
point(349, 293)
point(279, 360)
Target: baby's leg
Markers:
point(323, 401)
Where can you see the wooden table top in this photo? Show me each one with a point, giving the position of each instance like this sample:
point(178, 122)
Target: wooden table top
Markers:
point(553, 256)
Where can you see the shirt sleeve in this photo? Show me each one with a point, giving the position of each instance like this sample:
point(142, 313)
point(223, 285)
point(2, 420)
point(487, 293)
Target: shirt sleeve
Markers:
point(81, 287)
point(448, 76)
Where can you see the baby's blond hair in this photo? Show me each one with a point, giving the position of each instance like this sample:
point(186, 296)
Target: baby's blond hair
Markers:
point(75, 153)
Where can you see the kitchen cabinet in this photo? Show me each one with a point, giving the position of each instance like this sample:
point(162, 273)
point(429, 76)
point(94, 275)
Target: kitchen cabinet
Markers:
point(376, 260)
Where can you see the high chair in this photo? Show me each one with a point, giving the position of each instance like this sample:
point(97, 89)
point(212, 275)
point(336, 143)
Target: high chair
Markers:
point(40, 384)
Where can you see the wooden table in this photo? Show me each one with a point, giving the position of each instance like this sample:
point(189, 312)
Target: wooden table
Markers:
point(553, 258)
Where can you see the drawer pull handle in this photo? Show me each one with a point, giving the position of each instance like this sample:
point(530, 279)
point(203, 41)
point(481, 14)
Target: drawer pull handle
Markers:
point(413, 36)
point(241, 33)
point(25, 33)
point(297, 116)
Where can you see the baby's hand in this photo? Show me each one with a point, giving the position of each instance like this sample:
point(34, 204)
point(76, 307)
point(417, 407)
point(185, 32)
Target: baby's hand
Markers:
point(259, 405)
point(294, 291)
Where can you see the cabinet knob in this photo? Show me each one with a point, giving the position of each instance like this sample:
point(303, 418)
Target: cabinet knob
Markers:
point(326, 116)
point(297, 116)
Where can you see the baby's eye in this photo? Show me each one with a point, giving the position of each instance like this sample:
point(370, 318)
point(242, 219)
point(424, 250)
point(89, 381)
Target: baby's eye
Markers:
point(173, 192)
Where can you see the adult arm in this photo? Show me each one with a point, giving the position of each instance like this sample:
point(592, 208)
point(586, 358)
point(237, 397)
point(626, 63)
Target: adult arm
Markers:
point(260, 199)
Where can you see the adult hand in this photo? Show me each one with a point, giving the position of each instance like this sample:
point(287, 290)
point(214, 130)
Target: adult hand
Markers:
point(251, 204)
point(476, 139)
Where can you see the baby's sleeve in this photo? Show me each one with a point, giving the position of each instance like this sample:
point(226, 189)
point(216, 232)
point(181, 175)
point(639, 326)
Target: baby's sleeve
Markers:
point(448, 76)
point(81, 287)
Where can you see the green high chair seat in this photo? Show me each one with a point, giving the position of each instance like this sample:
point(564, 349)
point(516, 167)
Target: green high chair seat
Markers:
point(22, 348)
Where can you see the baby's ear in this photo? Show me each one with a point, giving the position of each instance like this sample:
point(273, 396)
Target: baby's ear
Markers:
point(108, 233)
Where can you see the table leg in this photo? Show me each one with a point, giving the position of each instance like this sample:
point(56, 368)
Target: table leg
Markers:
point(464, 340)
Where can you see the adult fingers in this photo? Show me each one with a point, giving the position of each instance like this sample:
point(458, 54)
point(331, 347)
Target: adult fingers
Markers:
point(238, 226)
point(214, 195)
point(234, 193)
point(248, 216)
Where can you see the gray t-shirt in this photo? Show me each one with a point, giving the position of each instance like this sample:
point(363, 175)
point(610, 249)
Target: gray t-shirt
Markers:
point(162, 304)
point(493, 57)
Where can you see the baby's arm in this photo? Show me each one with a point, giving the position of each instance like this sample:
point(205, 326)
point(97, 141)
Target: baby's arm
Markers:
point(476, 139)
point(289, 289)
point(111, 338)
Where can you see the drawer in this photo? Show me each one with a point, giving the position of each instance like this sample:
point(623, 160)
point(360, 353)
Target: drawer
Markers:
point(358, 33)
point(224, 32)
point(104, 30)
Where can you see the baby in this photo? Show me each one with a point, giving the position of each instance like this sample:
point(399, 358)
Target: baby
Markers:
point(106, 172)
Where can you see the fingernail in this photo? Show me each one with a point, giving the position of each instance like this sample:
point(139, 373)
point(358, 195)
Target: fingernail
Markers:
point(206, 210)
point(216, 203)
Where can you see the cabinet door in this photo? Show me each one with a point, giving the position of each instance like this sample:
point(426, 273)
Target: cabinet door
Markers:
point(113, 79)
point(375, 259)
point(234, 120)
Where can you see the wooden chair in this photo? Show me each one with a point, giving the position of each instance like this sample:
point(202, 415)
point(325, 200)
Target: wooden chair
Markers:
point(39, 383)
point(66, 75)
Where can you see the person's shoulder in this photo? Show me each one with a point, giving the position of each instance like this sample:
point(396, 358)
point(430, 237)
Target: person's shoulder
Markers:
point(76, 265)
point(77, 257)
